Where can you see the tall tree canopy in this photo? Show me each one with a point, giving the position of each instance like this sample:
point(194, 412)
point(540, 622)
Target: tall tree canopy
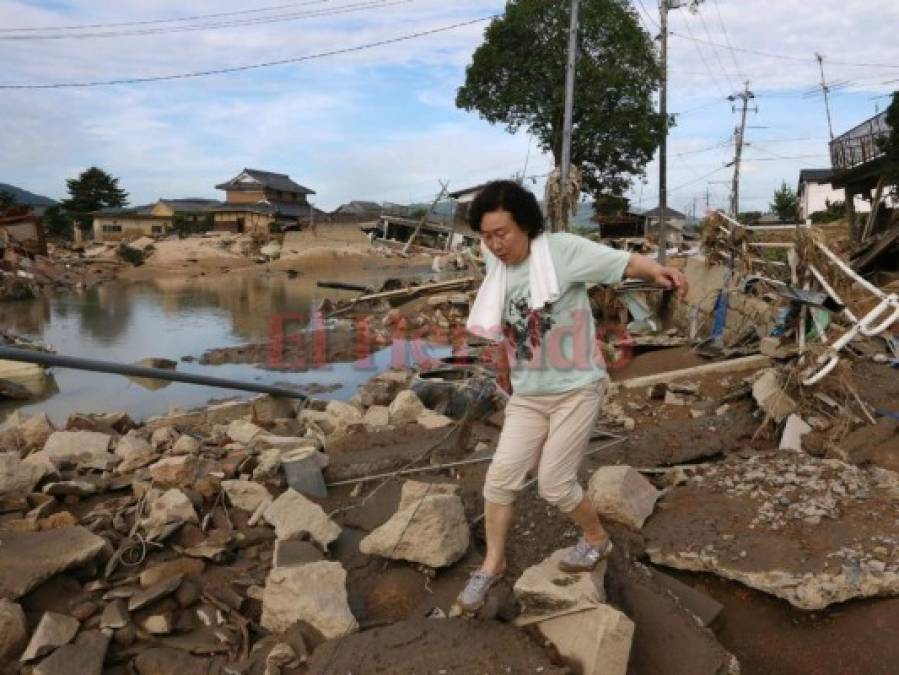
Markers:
point(93, 190)
point(517, 78)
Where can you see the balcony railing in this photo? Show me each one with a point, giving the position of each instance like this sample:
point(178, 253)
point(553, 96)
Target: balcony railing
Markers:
point(859, 145)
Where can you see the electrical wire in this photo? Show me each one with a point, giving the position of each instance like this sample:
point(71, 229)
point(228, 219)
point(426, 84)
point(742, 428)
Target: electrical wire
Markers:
point(705, 63)
point(786, 57)
point(146, 22)
point(714, 50)
point(278, 18)
point(253, 66)
point(730, 46)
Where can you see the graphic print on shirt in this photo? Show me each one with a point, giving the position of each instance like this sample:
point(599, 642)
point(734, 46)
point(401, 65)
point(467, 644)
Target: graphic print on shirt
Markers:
point(525, 328)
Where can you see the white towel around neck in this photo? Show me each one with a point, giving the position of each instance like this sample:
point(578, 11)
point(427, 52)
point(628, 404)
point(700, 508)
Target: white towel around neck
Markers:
point(486, 317)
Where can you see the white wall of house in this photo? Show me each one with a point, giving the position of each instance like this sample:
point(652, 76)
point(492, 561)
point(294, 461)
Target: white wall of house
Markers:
point(814, 197)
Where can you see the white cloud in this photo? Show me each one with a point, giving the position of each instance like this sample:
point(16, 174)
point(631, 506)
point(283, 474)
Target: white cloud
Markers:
point(381, 123)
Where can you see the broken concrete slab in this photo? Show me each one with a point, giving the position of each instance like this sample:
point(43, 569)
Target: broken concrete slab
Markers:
point(115, 615)
point(794, 430)
point(303, 472)
point(165, 511)
point(13, 630)
point(621, 494)
point(344, 412)
point(53, 631)
point(89, 449)
point(597, 640)
point(770, 397)
point(406, 408)
point(376, 417)
point(155, 592)
point(433, 420)
point(544, 591)
point(35, 431)
point(242, 431)
point(314, 593)
point(179, 471)
point(292, 515)
point(164, 437)
point(811, 531)
point(185, 445)
point(702, 606)
point(18, 478)
point(667, 622)
point(290, 552)
point(429, 527)
point(28, 558)
point(171, 661)
point(246, 495)
point(135, 451)
point(184, 567)
point(84, 657)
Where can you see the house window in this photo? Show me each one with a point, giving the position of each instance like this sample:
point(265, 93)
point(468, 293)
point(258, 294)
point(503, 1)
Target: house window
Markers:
point(111, 229)
point(156, 229)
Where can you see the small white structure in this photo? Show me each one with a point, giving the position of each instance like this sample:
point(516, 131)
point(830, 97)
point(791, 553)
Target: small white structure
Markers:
point(815, 191)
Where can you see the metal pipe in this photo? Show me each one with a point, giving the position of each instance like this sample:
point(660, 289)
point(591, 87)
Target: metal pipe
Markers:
point(48, 360)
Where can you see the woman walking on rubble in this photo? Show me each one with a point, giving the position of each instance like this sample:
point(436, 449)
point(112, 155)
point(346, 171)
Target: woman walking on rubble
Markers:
point(534, 297)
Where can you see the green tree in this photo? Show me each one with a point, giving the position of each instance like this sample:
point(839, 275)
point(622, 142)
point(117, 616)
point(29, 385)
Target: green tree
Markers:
point(786, 203)
point(832, 211)
point(93, 190)
point(7, 200)
point(517, 76)
point(890, 143)
point(58, 223)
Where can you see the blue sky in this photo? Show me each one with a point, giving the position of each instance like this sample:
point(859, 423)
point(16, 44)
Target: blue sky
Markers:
point(380, 124)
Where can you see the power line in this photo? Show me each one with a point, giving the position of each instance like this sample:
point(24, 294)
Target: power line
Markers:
point(146, 22)
point(715, 51)
point(648, 15)
point(701, 56)
point(278, 18)
point(254, 66)
point(701, 178)
point(730, 46)
point(786, 57)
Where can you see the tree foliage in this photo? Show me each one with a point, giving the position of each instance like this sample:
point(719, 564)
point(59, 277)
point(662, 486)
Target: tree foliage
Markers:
point(832, 211)
point(517, 78)
point(7, 200)
point(890, 143)
point(93, 190)
point(785, 203)
point(58, 223)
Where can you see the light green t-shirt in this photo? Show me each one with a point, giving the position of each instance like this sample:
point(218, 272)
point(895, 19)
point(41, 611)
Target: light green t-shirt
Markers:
point(553, 350)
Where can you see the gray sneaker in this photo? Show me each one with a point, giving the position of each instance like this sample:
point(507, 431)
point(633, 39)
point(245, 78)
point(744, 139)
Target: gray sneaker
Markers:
point(584, 557)
point(473, 596)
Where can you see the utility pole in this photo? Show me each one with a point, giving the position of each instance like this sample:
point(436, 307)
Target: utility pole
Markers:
point(663, 146)
point(739, 136)
point(826, 91)
point(565, 168)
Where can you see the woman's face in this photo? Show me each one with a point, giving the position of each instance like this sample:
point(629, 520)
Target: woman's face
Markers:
point(504, 238)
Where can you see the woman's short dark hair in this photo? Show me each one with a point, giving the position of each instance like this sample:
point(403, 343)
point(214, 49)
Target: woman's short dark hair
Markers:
point(507, 195)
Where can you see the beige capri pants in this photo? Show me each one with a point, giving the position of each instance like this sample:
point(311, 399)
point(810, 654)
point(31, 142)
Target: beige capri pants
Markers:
point(550, 432)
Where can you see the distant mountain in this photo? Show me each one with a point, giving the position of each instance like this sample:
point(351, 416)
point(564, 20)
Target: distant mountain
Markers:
point(26, 197)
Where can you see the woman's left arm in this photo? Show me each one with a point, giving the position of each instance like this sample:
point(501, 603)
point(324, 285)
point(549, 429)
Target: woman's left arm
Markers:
point(641, 267)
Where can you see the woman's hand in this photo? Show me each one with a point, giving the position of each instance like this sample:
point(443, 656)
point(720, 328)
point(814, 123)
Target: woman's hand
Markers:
point(641, 267)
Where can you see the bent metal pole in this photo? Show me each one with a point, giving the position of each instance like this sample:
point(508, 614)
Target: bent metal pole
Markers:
point(45, 359)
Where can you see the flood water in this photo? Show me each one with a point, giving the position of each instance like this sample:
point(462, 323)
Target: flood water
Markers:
point(176, 317)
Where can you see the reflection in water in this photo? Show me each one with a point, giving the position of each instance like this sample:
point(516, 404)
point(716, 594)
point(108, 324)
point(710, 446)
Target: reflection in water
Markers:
point(172, 318)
